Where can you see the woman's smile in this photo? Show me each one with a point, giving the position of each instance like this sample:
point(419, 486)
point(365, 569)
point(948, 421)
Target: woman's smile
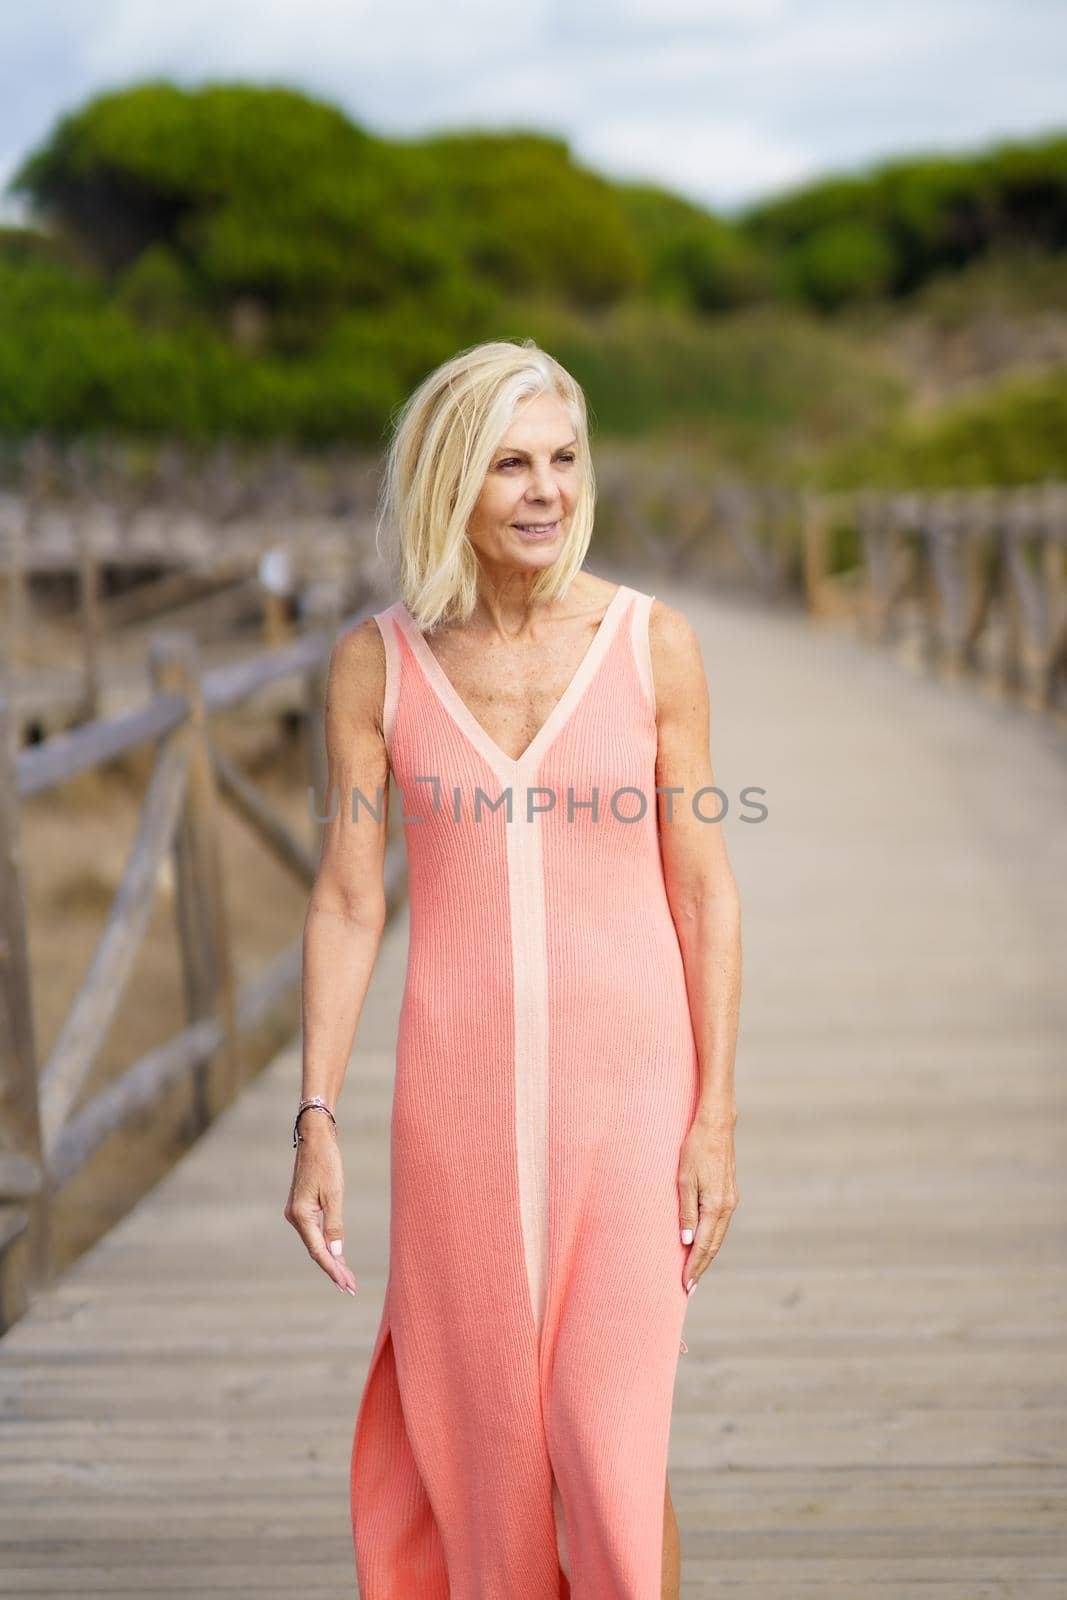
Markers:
point(536, 530)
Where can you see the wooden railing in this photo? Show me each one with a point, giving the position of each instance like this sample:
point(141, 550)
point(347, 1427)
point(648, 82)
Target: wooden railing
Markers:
point(218, 540)
point(969, 582)
point(972, 580)
point(45, 1135)
point(975, 579)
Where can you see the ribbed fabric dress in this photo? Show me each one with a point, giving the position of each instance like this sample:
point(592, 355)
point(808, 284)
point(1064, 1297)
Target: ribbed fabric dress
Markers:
point(511, 1441)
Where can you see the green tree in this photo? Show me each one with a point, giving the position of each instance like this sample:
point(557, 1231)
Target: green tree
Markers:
point(692, 258)
point(255, 192)
point(524, 215)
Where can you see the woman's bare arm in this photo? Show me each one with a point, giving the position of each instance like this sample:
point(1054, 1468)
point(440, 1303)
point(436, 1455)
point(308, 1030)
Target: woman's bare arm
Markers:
point(346, 911)
point(342, 931)
point(706, 909)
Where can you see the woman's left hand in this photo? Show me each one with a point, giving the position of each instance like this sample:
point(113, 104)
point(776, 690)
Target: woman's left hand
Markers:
point(707, 1190)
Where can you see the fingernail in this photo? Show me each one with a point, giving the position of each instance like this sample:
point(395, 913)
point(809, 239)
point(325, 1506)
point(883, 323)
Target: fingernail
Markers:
point(687, 1235)
point(350, 1291)
point(690, 1286)
point(336, 1246)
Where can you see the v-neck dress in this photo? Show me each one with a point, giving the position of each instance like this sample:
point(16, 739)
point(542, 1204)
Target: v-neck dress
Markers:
point(512, 1437)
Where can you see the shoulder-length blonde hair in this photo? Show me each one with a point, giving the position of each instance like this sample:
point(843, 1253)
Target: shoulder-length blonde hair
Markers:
point(436, 463)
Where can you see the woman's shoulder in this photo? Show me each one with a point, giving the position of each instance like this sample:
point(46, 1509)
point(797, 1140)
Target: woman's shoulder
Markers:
point(677, 662)
point(669, 629)
point(591, 592)
point(356, 674)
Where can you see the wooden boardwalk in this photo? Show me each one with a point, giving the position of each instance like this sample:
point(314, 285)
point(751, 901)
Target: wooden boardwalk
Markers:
point(873, 1402)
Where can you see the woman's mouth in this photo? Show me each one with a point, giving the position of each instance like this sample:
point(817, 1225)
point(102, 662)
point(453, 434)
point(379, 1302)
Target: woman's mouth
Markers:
point(536, 530)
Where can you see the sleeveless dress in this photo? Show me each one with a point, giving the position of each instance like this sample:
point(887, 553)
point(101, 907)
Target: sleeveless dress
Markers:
point(512, 1438)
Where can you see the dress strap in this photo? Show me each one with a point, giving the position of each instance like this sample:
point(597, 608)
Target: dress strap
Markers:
point(387, 627)
point(639, 639)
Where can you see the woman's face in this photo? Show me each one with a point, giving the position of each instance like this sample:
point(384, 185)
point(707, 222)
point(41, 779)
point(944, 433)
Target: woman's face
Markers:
point(522, 517)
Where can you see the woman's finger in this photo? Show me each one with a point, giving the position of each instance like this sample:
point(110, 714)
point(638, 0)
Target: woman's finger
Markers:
point(305, 1219)
point(333, 1231)
point(687, 1215)
point(711, 1230)
point(700, 1254)
point(722, 1222)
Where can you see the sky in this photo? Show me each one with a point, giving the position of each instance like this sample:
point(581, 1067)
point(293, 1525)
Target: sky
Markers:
point(723, 101)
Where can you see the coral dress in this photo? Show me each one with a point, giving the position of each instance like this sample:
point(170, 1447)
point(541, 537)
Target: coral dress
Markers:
point(512, 1437)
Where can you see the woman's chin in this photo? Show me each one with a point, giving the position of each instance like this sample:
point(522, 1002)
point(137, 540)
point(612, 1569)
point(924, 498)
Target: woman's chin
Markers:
point(539, 539)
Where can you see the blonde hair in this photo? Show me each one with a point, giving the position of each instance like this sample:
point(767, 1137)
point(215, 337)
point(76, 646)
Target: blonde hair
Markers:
point(444, 438)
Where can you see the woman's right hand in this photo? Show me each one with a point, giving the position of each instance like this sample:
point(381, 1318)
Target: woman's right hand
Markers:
point(316, 1199)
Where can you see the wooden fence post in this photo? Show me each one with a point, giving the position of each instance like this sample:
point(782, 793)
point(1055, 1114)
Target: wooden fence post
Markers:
point(875, 516)
point(26, 1262)
point(1054, 563)
point(930, 641)
point(16, 589)
point(276, 580)
point(815, 553)
point(945, 543)
point(1009, 530)
point(980, 562)
point(33, 479)
point(83, 491)
point(203, 926)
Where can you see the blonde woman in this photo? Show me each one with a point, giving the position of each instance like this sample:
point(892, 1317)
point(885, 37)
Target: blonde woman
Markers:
point(562, 1137)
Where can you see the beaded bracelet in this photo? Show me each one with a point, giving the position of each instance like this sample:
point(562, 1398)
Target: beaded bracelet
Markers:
point(314, 1102)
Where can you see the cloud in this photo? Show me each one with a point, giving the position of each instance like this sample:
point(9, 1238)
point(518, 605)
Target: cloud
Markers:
point(710, 159)
point(723, 100)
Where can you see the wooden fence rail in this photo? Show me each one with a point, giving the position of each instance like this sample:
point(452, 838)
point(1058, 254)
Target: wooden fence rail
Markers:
point(45, 1134)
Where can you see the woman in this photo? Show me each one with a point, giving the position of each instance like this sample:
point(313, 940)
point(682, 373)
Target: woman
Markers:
point(563, 1112)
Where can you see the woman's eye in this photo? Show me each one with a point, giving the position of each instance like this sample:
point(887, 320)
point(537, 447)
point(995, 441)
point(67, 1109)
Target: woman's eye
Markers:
point(514, 461)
